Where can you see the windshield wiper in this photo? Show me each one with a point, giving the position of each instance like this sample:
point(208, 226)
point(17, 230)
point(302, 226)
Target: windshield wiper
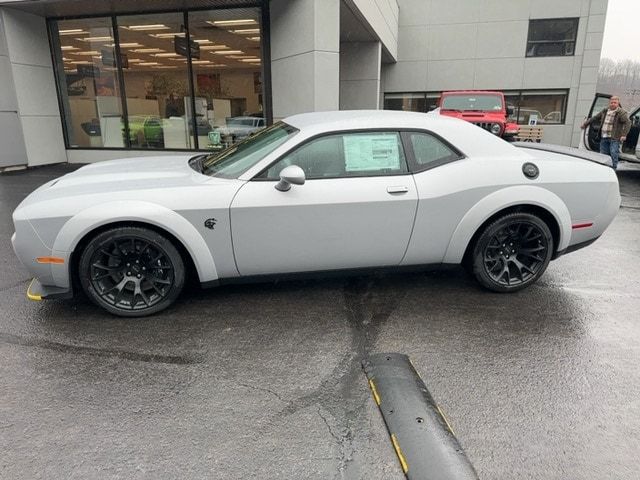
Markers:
point(197, 163)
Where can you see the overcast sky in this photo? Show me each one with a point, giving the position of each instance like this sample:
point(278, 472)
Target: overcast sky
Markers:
point(620, 31)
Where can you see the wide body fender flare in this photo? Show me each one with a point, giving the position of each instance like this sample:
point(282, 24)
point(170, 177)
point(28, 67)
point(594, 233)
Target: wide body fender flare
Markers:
point(500, 200)
point(144, 212)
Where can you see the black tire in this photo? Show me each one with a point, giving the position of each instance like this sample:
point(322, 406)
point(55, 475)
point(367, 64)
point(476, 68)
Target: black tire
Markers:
point(131, 271)
point(512, 252)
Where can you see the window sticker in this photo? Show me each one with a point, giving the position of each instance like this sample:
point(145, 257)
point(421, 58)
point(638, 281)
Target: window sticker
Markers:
point(371, 152)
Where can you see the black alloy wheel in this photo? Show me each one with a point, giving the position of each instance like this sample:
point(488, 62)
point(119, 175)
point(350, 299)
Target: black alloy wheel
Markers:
point(512, 252)
point(131, 271)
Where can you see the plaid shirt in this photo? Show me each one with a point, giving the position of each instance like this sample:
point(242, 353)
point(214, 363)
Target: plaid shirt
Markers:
point(607, 124)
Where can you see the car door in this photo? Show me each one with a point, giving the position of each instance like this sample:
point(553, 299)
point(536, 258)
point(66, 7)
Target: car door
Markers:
point(356, 208)
point(592, 132)
point(630, 146)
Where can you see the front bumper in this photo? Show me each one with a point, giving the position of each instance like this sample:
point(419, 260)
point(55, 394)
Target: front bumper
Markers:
point(36, 291)
point(50, 280)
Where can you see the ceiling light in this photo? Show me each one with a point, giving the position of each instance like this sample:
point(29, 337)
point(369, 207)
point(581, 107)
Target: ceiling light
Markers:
point(148, 50)
point(213, 47)
point(167, 35)
point(127, 45)
point(165, 55)
point(250, 60)
point(134, 60)
point(73, 31)
point(166, 66)
point(91, 52)
point(81, 62)
point(200, 62)
point(178, 59)
point(96, 39)
point(214, 65)
point(242, 21)
point(66, 48)
point(255, 39)
point(148, 64)
point(228, 52)
point(243, 56)
point(155, 26)
point(247, 30)
point(203, 41)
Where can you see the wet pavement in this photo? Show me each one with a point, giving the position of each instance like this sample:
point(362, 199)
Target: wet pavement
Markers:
point(263, 381)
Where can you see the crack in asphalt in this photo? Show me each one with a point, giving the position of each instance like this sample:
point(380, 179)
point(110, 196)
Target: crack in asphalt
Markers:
point(99, 352)
point(368, 304)
point(263, 389)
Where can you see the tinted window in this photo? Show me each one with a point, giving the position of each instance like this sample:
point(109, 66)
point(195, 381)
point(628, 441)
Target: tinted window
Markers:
point(552, 37)
point(481, 102)
point(430, 151)
point(346, 155)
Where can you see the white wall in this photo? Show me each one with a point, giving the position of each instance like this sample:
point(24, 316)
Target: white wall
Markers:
point(360, 75)
point(468, 44)
point(305, 59)
point(29, 62)
point(381, 18)
point(13, 151)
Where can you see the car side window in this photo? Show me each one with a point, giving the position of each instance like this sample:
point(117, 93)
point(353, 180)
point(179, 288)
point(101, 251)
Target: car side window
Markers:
point(429, 151)
point(346, 155)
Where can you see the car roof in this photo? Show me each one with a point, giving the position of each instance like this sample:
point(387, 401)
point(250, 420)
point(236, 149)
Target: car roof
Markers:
point(365, 119)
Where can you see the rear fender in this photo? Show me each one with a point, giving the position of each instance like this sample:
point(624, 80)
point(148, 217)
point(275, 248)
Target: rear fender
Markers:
point(163, 218)
point(500, 200)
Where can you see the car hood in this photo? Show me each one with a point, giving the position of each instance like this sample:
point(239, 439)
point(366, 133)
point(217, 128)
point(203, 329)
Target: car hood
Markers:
point(158, 179)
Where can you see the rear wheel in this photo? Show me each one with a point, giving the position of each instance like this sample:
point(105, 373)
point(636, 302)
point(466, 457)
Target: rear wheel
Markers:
point(512, 252)
point(131, 271)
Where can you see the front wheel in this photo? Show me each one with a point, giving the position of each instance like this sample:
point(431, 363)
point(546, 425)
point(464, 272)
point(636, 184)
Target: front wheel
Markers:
point(512, 252)
point(131, 271)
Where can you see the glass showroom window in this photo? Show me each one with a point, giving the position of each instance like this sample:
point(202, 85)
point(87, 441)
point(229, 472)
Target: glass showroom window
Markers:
point(127, 81)
point(88, 82)
point(552, 37)
point(156, 80)
point(227, 75)
point(411, 102)
point(545, 107)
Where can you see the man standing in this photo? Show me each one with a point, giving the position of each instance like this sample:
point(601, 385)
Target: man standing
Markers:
point(614, 126)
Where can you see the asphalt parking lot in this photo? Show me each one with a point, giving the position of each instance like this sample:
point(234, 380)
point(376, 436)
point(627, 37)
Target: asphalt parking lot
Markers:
point(264, 381)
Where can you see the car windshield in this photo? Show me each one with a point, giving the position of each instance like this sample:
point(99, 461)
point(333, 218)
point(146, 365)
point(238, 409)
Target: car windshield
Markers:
point(482, 102)
point(237, 159)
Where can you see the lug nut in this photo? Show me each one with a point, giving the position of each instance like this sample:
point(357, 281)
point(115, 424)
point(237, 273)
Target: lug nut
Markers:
point(137, 261)
point(129, 273)
point(128, 264)
point(138, 275)
point(144, 268)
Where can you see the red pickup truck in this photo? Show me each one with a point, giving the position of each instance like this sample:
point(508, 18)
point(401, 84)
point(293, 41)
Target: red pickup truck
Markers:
point(486, 109)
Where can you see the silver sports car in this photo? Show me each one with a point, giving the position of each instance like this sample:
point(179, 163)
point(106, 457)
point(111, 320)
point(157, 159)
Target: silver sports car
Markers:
point(317, 192)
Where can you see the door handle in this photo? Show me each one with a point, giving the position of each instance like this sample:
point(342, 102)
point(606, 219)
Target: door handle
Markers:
point(397, 189)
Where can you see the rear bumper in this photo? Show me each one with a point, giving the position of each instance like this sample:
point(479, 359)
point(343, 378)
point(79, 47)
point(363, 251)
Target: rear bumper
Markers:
point(573, 248)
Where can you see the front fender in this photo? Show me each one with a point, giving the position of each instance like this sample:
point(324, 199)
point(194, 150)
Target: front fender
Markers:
point(93, 217)
point(499, 200)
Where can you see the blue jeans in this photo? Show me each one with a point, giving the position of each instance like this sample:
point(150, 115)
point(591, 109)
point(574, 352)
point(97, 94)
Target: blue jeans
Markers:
point(610, 147)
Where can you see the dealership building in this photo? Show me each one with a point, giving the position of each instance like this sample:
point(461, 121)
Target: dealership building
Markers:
point(91, 80)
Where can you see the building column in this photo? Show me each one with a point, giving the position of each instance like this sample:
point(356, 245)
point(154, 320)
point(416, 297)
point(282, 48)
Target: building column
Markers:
point(26, 62)
point(13, 152)
point(360, 64)
point(305, 56)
